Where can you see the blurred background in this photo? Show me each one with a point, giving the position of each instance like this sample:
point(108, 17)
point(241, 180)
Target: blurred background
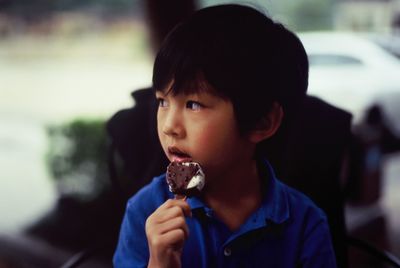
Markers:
point(67, 66)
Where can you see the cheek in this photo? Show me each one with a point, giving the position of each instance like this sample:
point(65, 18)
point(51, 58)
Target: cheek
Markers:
point(159, 129)
point(204, 142)
point(215, 137)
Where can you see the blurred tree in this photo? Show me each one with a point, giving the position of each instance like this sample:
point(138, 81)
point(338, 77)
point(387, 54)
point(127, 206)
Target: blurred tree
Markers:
point(299, 15)
point(313, 15)
point(88, 212)
point(114, 7)
point(35, 9)
point(77, 158)
point(304, 15)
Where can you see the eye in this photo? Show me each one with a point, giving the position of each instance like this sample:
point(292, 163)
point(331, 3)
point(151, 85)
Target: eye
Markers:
point(162, 102)
point(194, 105)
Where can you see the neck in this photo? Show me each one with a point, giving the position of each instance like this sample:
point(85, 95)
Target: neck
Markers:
point(235, 196)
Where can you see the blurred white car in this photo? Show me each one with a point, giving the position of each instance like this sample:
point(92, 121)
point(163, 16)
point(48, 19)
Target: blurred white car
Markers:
point(352, 73)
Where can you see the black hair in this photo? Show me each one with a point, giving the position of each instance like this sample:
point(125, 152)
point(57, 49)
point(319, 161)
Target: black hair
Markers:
point(238, 53)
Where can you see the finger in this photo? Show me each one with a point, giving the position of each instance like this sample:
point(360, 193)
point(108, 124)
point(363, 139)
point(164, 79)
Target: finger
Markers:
point(174, 239)
point(175, 223)
point(168, 214)
point(167, 240)
point(172, 208)
point(182, 204)
point(169, 210)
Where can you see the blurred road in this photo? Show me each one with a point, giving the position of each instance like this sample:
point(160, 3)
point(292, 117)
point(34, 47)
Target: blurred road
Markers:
point(26, 190)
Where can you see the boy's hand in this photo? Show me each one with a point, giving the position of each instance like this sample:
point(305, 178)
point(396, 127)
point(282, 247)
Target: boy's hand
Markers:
point(166, 232)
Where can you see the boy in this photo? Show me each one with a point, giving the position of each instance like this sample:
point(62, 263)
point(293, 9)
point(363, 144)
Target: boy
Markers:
point(224, 79)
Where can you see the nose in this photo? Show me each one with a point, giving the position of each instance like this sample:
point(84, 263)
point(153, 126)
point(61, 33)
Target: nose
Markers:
point(172, 123)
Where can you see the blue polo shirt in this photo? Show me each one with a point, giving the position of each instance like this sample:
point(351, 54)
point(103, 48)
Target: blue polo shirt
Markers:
point(288, 230)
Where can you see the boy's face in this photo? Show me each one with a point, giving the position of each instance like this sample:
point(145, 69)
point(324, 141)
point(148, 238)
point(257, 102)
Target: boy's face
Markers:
point(201, 127)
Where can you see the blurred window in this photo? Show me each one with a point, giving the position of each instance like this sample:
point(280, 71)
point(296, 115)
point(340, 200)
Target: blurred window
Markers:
point(332, 60)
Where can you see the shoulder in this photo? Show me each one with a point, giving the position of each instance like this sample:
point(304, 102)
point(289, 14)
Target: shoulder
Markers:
point(302, 209)
point(310, 220)
point(286, 203)
point(311, 224)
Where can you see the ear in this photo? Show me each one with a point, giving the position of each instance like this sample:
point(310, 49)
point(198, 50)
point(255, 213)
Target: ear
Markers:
point(268, 126)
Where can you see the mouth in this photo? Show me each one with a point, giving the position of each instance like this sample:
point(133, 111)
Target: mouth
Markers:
point(176, 155)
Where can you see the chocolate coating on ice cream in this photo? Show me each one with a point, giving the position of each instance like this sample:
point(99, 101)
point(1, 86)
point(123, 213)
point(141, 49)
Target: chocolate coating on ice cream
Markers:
point(185, 178)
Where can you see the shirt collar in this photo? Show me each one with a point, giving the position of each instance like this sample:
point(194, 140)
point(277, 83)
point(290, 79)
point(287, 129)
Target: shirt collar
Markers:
point(275, 204)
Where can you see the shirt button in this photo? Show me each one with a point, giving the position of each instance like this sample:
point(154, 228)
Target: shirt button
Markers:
point(227, 252)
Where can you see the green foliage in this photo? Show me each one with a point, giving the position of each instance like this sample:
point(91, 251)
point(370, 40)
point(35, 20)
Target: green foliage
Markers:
point(77, 157)
point(298, 15)
point(34, 9)
point(111, 6)
point(313, 15)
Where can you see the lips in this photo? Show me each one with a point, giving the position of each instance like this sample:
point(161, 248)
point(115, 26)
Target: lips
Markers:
point(178, 155)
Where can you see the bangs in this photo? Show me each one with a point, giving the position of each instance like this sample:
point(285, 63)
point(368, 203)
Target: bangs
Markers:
point(182, 65)
point(178, 68)
point(183, 85)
